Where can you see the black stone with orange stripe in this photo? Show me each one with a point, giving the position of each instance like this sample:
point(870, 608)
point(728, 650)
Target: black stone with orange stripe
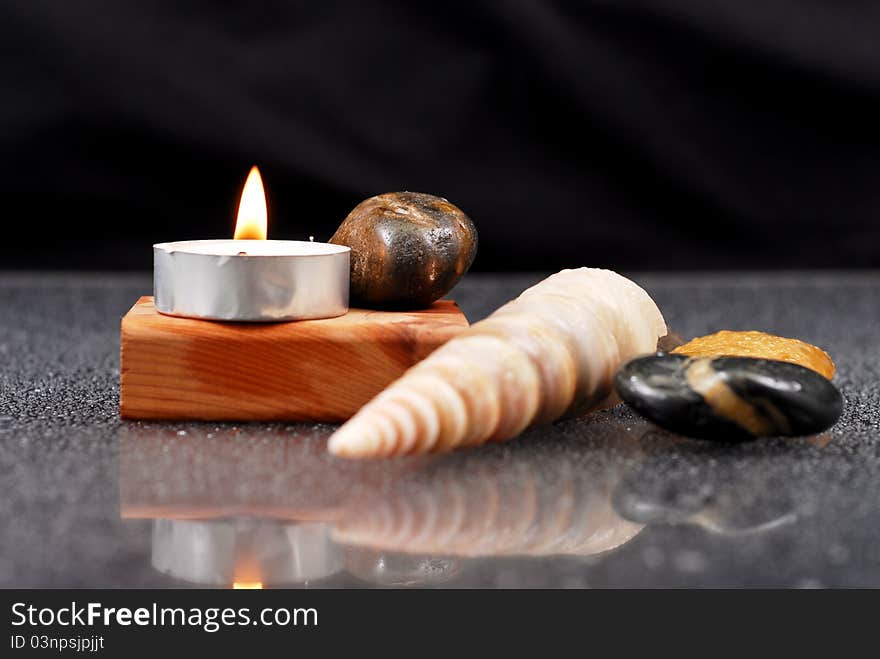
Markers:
point(729, 398)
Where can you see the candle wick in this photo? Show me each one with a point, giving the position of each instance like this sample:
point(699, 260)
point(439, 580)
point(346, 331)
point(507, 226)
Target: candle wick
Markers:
point(311, 239)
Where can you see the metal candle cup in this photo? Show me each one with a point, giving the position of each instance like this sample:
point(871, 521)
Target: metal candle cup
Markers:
point(251, 280)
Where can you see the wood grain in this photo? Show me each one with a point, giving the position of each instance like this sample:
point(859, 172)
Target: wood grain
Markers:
point(312, 370)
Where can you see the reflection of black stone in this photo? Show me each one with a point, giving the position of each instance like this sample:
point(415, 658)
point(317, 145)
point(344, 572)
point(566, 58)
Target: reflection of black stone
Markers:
point(694, 488)
point(729, 398)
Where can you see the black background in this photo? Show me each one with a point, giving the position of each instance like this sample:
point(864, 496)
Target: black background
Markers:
point(653, 134)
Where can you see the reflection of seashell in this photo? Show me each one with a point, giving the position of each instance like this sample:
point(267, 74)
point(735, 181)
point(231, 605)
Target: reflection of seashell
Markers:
point(491, 511)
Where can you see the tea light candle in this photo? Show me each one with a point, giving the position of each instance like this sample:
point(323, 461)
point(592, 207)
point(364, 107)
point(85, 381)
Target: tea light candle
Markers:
point(250, 278)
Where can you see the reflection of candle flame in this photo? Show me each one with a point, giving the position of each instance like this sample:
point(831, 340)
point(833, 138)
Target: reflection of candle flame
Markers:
point(251, 222)
point(247, 574)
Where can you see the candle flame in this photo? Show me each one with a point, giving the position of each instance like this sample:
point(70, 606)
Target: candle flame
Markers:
point(251, 222)
point(247, 585)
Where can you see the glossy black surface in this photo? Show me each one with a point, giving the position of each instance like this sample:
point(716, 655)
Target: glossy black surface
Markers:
point(604, 501)
point(772, 398)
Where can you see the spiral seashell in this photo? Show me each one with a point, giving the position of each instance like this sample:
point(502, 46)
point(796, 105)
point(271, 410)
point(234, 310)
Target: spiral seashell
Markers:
point(551, 352)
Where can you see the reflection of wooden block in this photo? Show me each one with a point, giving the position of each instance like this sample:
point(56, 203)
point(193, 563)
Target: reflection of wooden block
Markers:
point(311, 370)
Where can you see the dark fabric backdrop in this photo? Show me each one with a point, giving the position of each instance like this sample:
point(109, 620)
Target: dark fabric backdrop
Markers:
point(630, 134)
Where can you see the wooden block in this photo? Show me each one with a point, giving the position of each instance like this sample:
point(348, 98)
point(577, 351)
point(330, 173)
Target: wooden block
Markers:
point(311, 370)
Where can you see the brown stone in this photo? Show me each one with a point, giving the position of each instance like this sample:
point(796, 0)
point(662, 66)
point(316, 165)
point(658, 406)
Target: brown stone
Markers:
point(408, 249)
